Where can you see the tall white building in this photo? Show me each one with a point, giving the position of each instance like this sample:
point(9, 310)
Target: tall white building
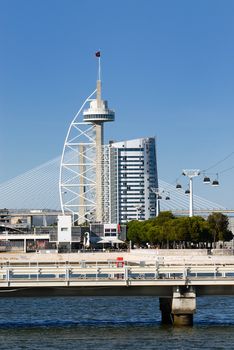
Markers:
point(130, 174)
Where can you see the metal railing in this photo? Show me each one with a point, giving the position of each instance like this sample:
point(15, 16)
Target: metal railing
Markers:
point(111, 271)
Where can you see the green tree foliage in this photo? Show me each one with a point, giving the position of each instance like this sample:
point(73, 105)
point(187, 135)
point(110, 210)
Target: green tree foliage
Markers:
point(135, 232)
point(163, 217)
point(154, 234)
point(218, 224)
point(166, 230)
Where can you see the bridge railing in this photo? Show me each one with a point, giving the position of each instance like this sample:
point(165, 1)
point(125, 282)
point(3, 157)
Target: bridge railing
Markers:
point(110, 271)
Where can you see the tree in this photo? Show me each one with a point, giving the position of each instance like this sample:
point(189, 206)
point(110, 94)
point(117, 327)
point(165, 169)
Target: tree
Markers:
point(182, 230)
point(218, 224)
point(163, 217)
point(196, 228)
point(134, 231)
point(153, 234)
point(170, 231)
point(205, 233)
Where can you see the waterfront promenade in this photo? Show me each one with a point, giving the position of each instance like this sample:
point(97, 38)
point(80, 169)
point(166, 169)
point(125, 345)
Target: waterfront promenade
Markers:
point(168, 256)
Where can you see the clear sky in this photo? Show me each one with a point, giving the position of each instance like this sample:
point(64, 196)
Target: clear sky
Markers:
point(167, 70)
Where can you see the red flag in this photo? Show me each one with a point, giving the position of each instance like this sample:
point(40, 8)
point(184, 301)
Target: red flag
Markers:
point(98, 54)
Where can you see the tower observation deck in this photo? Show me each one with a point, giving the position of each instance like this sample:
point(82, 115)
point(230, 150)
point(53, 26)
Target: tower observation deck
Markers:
point(98, 111)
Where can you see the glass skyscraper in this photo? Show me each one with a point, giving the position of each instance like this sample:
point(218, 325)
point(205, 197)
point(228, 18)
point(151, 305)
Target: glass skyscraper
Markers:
point(130, 174)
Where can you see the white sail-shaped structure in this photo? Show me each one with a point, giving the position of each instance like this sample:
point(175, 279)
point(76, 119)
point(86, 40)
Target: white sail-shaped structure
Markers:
point(77, 179)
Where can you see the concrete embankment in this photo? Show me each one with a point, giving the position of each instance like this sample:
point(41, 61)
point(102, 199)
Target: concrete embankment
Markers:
point(184, 256)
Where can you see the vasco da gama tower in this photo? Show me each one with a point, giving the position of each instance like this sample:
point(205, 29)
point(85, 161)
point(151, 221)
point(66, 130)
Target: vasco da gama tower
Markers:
point(109, 183)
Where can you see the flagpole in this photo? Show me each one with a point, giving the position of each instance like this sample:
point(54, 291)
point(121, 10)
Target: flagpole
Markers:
point(98, 55)
point(99, 68)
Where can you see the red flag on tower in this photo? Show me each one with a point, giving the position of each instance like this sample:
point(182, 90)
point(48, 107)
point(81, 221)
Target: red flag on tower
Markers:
point(98, 54)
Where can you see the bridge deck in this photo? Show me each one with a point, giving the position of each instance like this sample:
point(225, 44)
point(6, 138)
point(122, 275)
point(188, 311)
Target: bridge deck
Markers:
point(114, 278)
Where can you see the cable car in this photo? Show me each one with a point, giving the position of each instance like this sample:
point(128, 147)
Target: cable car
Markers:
point(206, 180)
point(215, 183)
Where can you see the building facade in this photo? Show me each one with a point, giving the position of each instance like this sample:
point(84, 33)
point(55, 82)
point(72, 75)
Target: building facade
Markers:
point(130, 174)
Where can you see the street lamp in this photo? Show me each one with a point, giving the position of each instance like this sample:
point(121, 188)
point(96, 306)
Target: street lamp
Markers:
point(191, 173)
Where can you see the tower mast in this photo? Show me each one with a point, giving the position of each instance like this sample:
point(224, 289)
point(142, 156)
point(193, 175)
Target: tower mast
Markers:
point(97, 114)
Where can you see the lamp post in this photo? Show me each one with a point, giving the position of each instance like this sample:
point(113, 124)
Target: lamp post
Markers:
point(191, 173)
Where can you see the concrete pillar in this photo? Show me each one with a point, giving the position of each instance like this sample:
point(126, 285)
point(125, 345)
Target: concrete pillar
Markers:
point(179, 309)
point(81, 210)
point(29, 221)
point(99, 172)
point(183, 306)
point(25, 245)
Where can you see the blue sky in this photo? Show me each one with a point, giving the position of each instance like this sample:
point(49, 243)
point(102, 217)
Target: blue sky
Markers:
point(167, 70)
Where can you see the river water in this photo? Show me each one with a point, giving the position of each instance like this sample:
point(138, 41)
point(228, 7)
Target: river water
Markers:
point(111, 323)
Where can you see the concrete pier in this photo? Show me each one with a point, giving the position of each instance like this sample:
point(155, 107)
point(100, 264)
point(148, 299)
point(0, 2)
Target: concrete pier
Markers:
point(179, 309)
